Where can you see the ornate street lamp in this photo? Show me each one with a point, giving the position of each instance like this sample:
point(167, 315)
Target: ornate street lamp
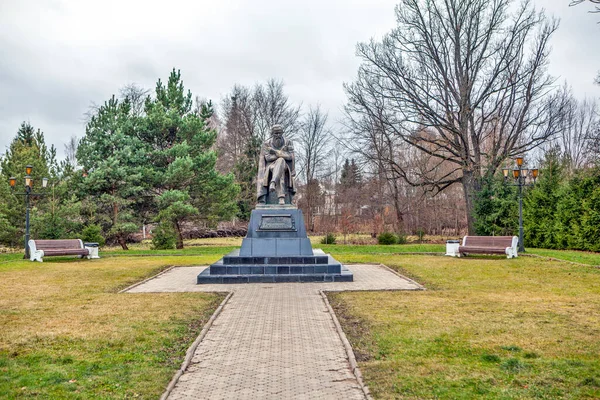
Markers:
point(28, 192)
point(520, 176)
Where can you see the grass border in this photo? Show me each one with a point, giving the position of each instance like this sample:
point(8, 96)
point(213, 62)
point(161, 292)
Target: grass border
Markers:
point(189, 355)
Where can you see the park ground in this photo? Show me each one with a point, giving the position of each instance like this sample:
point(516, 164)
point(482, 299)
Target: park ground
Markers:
point(486, 327)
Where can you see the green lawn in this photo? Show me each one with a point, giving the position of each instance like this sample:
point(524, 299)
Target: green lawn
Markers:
point(65, 332)
point(582, 257)
point(487, 327)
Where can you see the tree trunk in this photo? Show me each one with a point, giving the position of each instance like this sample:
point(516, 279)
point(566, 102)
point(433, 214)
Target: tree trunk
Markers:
point(471, 186)
point(397, 207)
point(123, 242)
point(179, 244)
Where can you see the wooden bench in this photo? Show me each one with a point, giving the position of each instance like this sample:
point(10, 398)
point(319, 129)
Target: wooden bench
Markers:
point(489, 245)
point(61, 247)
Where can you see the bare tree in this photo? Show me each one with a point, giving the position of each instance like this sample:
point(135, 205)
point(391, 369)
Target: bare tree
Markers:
point(313, 152)
point(384, 153)
point(71, 151)
point(136, 95)
point(464, 82)
point(250, 113)
point(313, 139)
point(577, 139)
point(272, 106)
point(238, 116)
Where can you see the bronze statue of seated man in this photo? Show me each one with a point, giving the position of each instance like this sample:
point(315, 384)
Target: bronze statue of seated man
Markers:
point(276, 169)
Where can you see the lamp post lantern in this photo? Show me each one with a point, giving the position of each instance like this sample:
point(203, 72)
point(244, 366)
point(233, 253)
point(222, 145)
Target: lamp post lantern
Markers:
point(28, 192)
point(520, 175)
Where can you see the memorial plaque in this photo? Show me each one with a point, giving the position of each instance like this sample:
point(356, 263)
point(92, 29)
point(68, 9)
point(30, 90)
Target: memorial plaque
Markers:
point(277, 222)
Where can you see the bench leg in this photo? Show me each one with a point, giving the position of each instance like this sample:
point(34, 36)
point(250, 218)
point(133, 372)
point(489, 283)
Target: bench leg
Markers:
point(511, 253)
point(37, 255)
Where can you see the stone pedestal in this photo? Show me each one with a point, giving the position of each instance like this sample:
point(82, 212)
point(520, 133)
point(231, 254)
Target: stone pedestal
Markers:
point(276, 249)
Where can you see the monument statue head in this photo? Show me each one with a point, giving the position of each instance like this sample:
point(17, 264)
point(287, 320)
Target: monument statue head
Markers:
point(277, 130)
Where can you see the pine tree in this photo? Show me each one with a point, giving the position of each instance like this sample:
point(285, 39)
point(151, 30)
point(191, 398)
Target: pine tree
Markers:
point(181, 144)
point(495, 210)
point(116, 162)
point(540, 205)
point(27, 148)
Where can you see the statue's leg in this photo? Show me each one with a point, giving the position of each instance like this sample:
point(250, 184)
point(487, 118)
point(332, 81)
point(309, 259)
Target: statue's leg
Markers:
point(278, 172)
point(279, 178)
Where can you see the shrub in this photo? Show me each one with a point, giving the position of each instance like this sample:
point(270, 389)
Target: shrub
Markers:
point(163, 237)
point(387, 238)
point(93, 233)
point(402, 239)
point(328, 239)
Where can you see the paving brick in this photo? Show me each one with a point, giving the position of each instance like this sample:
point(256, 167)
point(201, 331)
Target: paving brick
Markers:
point(272, 340)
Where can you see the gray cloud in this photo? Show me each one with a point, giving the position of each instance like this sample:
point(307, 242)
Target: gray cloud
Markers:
point(58, 57)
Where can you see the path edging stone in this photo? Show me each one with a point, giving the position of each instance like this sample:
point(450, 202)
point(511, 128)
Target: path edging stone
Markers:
point(189, 355)
point(164, 271)
point(421, 287)
point(347, 347)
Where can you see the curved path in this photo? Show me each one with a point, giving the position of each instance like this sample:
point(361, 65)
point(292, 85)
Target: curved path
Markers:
point(272, 341)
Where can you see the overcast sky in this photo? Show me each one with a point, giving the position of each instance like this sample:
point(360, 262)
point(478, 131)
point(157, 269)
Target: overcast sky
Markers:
point(59, 56)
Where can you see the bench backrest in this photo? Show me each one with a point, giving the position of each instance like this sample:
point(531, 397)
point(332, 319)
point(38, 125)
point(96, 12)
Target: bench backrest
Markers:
point(58, 244)
point(488, 241)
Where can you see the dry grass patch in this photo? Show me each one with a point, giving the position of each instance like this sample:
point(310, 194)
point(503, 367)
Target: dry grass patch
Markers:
point(490, 328)
point(67, 333)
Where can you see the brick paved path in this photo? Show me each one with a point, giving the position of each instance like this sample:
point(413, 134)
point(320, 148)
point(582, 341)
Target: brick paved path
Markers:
point(272, 341)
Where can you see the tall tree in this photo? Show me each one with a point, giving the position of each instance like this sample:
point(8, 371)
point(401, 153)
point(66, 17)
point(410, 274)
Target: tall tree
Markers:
point(117, 167)
point(183, 160)
point(272, 106)
point(464, 82)
point(540, 204)
point(577, 140)
point(27, 148)
point(313, 152)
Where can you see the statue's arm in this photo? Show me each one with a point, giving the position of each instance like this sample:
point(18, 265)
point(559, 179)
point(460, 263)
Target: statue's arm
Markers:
point(271, 154)
point(288, 153)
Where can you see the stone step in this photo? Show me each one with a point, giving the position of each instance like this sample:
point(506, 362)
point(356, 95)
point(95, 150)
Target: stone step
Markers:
point(287, 260)
point(205, 278)
point(222, 269)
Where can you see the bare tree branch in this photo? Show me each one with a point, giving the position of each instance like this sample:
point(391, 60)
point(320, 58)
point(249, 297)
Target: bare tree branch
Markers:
point(576, 2)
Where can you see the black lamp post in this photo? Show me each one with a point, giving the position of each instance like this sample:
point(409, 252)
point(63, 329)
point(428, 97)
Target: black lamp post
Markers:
point(520, 175)
point(27, 194)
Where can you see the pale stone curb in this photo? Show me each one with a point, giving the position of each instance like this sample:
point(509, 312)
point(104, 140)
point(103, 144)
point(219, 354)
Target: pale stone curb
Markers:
point(147, 279)
point(190, 352)
point(393, 271)
point(347, 347)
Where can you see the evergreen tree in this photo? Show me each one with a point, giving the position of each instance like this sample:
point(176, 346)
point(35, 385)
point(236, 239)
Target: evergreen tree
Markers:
point(495, 210)
point(578, 212)
point(181, 152)
point(351, 175)
point(540, 205)
point(27, 148)
point(116, 162)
